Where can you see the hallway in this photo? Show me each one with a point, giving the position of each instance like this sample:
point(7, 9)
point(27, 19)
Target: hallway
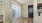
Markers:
point(20, 11)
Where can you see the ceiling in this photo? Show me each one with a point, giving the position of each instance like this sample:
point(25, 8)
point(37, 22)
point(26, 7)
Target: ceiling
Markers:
point(26, 1)
point(23, 1)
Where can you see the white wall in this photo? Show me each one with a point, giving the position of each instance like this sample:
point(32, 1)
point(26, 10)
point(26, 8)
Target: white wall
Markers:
point(7, 11)
point(25, 10)
point(37, 18)
point(0, 9)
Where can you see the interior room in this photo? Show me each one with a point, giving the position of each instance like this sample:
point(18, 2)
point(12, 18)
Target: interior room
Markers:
point(20, 11)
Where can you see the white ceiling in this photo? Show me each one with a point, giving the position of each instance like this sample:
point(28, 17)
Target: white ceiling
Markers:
point(39, 1)
point(26, 1)
point(23, 1)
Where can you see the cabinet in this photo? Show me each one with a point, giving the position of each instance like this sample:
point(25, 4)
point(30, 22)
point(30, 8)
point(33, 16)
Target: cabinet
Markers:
point(1, 14)
point(39, 8)
point(5, 9)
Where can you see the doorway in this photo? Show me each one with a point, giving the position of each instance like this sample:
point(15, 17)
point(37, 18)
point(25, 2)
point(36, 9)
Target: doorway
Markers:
point(30, 13)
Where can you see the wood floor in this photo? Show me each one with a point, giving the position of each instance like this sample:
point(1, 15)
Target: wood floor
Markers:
point(24, 20)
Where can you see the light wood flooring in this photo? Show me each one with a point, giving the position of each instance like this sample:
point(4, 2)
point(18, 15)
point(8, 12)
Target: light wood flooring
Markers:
point(24, 20)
